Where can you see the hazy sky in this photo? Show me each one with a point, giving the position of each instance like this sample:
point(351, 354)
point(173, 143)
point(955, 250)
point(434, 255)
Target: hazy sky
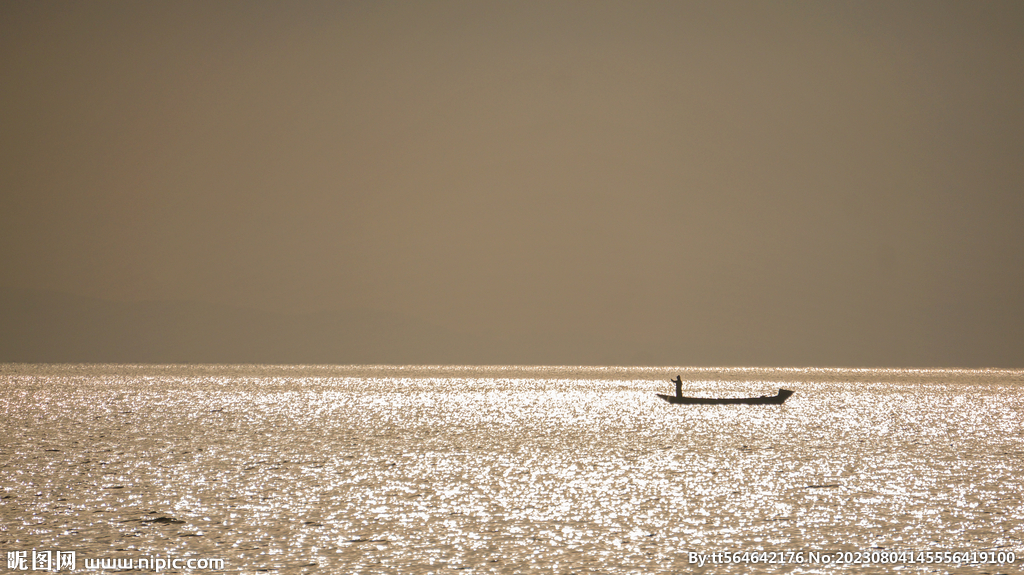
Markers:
point(760, 183)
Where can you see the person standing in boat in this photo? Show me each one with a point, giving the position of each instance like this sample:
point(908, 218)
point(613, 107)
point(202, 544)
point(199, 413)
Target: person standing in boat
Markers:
point(679, 385)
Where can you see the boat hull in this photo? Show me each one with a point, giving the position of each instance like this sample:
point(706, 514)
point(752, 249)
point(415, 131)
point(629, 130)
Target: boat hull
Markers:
point(763, 400)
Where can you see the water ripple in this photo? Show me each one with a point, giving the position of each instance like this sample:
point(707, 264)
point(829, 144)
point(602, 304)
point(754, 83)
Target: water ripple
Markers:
point(504, 469)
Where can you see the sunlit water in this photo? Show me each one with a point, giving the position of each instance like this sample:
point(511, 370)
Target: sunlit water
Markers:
point(509, 469)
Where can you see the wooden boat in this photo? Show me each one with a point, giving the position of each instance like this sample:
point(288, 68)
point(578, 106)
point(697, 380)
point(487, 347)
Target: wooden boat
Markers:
point(763, 400)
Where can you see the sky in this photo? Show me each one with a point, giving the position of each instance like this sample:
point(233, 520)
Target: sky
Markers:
point(648, 183)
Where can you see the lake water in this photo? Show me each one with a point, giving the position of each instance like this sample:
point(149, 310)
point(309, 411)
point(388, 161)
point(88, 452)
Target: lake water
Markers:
point(375, 469)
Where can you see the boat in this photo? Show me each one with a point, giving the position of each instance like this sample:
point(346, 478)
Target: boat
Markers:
point(678, 398)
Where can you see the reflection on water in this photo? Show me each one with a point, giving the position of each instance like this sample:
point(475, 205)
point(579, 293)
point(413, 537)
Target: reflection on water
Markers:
point(506, 469)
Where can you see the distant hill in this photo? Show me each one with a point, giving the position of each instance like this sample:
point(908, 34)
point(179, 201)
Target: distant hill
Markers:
point(38, 326)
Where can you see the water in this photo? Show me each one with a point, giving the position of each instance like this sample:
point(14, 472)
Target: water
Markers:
point(510, 469)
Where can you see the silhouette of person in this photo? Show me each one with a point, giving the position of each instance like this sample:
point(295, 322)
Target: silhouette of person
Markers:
point(679, 385)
